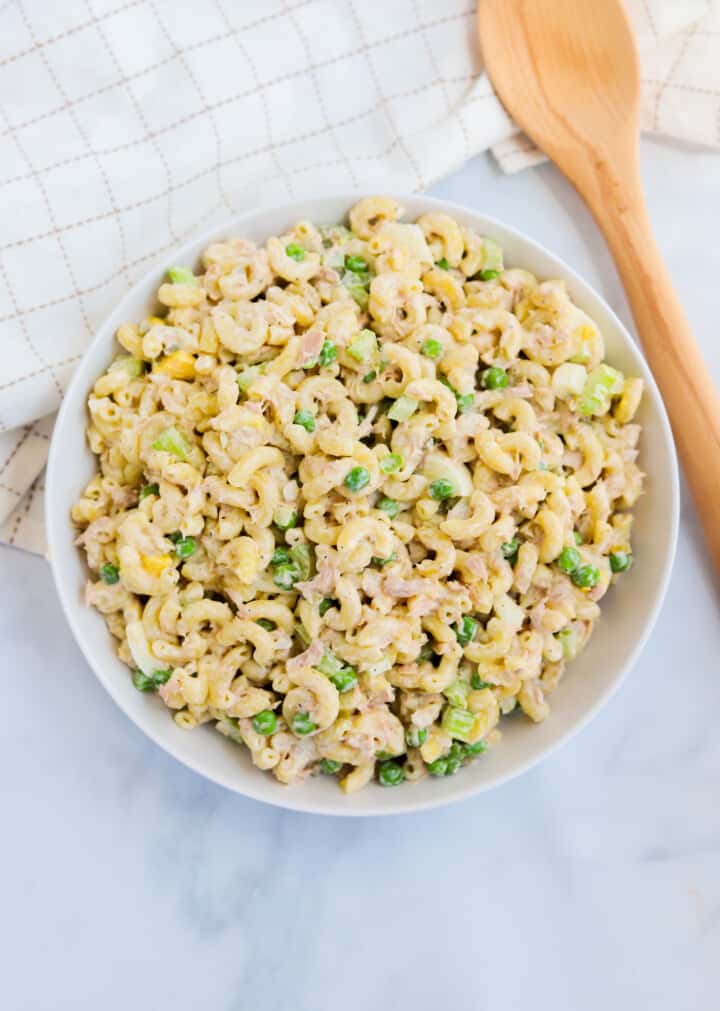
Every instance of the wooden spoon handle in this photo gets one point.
(690, 397)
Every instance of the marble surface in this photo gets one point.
(591, 883)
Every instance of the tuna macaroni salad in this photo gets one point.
(360, 491)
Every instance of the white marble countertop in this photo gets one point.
(592, 882)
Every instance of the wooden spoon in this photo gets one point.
(568, 73)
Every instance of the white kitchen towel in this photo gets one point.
(130, 125)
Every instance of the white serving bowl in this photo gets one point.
(629, 609)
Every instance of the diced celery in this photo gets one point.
(458, 723)
(134, 367)
(363, 346)
(172, 441)
(402, 409)
(567, 637)
(457, 693)
(569, 380)
(302, 635)
(302, 555)
(247, 377)
(182, 275)
(330, 663)
(357, 285)
(602, 383)
(492, 255)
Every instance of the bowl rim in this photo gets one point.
(302, 800)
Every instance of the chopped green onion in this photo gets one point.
(389, 506)
(301, 724)
(415, 736)
(149, 682)
(568, 560)
(186, 547)
(148, 489)
(182, 275)
(390, 774)
(586, 576)
(432, 348)
(380, 563)
(363, 346)
(441, 489)
(329, 767)
(325, 605)
(171, 441)
(357, 479)
(285, 518)
(295, 251)
(368, 377)
(356, 264)
(305, 419)
(465, 631)
(620, 561)
(265, 722)
(458, 722)
(402, 409)
(390, 463)
(477, 683)
(495, 378)
(442, 263)
(110, 574)
(328, 354)
(457, 693)
(265, 623)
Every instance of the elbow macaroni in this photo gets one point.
(343, 510)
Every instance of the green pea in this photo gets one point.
(175, 536)
(510, 549)
(357, 479)
(301, 724)
(389, 506)
(475, 749)
(306, 420)
(620, 561)
(325, 605)
(426, 653)
(295, 251)
(286, 575)
(443, 264)
(495, 378)
(266, 624)
(465, 631)
(416, 736)
(432, 348)
(390, 463)
(477, 683)
(265, 722)
(110, 574)
(356, 264)
(465, 402)
(441, 489)
(345, 680)
(586, 576)
(186, 547)
(439, 767)
(568, 560)
(488, 275)
(328, 354)
(280, 556)
(285, 518)
(148, 489)
(329, 768)
(390, 774)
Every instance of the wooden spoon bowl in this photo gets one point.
(568, 73)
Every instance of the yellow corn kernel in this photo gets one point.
(155, 564)
(178, 365)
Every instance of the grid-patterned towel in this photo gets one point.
(129, 126)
